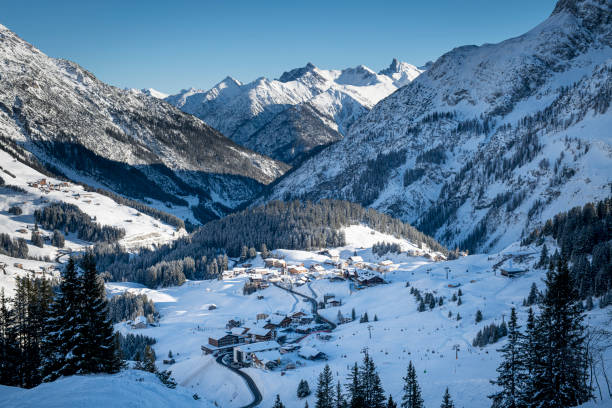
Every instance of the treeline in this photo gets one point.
(128, 306)
(302, 225)
(490, 334)
(46, 334)
(382, 248)
(168, 265)
(14, 247)
(290, 225)
(132, 346)
(70, 218)
(584, 237)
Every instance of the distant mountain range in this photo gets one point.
(125, 140)
(288, 117)
(489, 141)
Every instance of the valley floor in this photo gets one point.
(439, 346)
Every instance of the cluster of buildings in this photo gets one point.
(258, 342)
(276, 270)
(46, 187)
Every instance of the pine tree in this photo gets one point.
(543, 257)
(61, 328)
(533, 296)
(447, 401)
(325, 389)
(9, 350)
(149, 360)
(421, 307)
(95, 350)
(560, 368)
(374, 396)
(459, 301)
(353, 314)
(339, 401)
(511, 371)
(303, 389)
(355, 388)
(278, 403)
(391, 403)
(412, 391)
(478, 316)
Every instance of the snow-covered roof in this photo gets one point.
(355, 258)
(259, 346)
(308, 352)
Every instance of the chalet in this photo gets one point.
(139, 323)
(356, 261)
(266, 360)
(262, 334)
(316, 268)
(243, 353)
(512, 272)
(296, 269)
(262, 316)
(334, 303)
(310, 353)
(223, 339)
(279, 321)
(275, 263)
(367, 278)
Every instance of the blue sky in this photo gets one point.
(169, 45)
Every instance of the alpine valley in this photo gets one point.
(331, 238)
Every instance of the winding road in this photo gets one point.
(257, 398)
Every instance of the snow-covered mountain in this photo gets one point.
(489, 141)
(305, 108)
(154, 93)
(87, 129)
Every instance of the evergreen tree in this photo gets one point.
(95, 350)
(61, 338)
(354, 388)
(478, 316)
(459, 301)
(543, 257)
(374, 396)
(412, 391)
(339, 401)
(149, 360)
(533, 296)
(511, 371)
(303, 389)
(447, 401)
(421, 307)
(9, 350)
(278, 403)
(391, 403)
(560, 372)
(325, 390)
(353, 314)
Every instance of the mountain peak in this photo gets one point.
(593, 13)
(297, 73)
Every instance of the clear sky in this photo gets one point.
(174, 44)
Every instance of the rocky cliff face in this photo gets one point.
(305, 109)
(489, 141)
(87, 129)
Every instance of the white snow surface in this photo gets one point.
(129, 388)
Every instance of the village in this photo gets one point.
(272, 341)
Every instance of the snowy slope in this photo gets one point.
(302, 104)
(128, 389)
(489, 141)
(401, 333)
(70, 119)
(141, 229)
